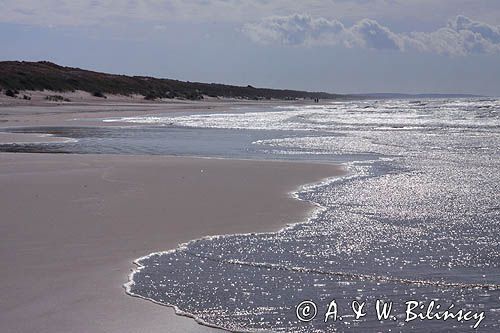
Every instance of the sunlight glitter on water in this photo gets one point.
(420, 218)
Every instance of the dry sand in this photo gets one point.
(71, 225)
(86, 111)
(79, 97)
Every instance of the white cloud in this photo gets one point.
(461, 36)
(295, 30)
(91, 12)
(371, 34)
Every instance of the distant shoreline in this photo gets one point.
(16, 76)
(80, 97)
(406, 96)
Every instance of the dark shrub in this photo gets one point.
(54, 98)
(193, 95)
(11, 93)
(152, 95)
(98, 94)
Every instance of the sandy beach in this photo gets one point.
(249, 166)
(86, 110)
(72, 225)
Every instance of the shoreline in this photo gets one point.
(23, 114)
(314, 210)
(124, 174)
(31, 138)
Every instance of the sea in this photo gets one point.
(408, 240)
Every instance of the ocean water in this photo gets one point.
(417, 219)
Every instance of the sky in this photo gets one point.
(339, 46)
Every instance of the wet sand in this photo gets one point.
(71, 225)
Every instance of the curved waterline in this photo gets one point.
(416, 218)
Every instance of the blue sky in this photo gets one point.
(345, 46)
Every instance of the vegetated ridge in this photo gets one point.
(44, 75)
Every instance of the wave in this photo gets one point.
(350, 275)
(408, 181)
